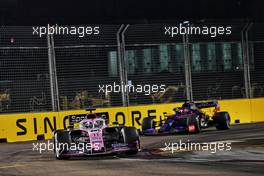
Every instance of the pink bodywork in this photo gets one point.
(95, 132)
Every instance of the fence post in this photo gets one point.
(121, 61)
(53, 74)
(123, 49)
(120, 64)
(187, 68)
(245, 57)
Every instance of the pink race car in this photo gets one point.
(93, 136)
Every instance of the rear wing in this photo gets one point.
(77, 118)
(207, 104)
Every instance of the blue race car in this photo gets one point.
(188, 118)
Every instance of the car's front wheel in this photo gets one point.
(61, 141)
(147, 123)
(131, 137)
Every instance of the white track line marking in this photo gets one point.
(16, 165)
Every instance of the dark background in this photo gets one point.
(30, 12)
(24, 72)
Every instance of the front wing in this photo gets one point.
(115, 149)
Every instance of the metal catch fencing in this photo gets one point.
(66, 72)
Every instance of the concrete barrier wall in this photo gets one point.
(32, 126)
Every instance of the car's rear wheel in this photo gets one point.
(222, 120)
(193, 124)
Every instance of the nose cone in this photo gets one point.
(164, 127)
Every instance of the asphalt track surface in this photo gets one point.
(245, 158)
